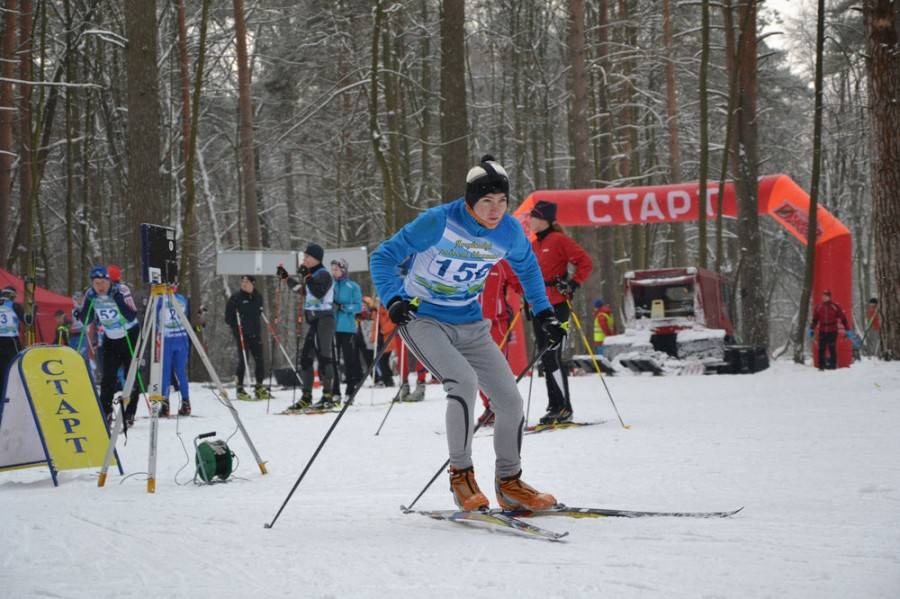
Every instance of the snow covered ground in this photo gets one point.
(812, 456)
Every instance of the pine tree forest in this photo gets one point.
(273, 123)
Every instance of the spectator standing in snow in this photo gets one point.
(317, 288)
(347, 304)
(435, 307)
(826, 318)
(555, 251)
(604, 325)
(246, 303)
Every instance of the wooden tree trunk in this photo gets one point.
(190, 128)
(800, 333)
(425, 129)
(7, 121)
(754, 313)
(679, 253)
(704, 135)
(245, 108)
(729, 151)
(71, 147)
(606, 265)
(454, 116)
(378, 143)
(144, 182)
(26, 140)
(882, 20)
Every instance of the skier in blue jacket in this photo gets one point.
(176, 351)
(347, 304)
(452, 249)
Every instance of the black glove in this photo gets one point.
(401, 311)
(303, 271)
(551, 326)
(566, 287)
(281, 272)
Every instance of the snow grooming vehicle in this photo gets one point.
(676, 322)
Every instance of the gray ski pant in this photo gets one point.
(465, 358)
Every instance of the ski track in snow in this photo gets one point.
(812, 456)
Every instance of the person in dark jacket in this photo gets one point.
(826, 318)
(317, 288)
(555, 251)
(242, 314)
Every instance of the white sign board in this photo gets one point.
(249, 262)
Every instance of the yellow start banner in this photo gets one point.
(65, 404)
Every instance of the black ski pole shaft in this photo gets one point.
(322, 442)
(475, 430)
(396, 398)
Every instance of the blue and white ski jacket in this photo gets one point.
(450, 255)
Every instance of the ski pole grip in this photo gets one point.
(205, 435)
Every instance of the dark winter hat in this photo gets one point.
(544, 210)
(8, 292)
(487, 177)
(99, 272)
(599, 303)
(315, 250)
(250, 278)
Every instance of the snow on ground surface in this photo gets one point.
(812, 456)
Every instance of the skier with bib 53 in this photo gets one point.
(453, 247)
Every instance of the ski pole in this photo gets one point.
(594, 360)
(396, 398)
(240, 329)
(281, 347)
(528, 405)
(375, 340)
(512, 325)
(531, 364)
(324, 439)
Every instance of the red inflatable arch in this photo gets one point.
(779, 197)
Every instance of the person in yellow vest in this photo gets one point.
(603, 325)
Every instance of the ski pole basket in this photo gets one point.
(214, 459)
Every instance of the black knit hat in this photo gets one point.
(487, 177)
(315, 250)
(544, 210)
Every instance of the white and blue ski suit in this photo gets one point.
(451, 255)
(176, 348)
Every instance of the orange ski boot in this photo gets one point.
(465, 490)
(513, 494)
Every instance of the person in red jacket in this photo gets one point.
(555, 251)
(826, 317)
(495, 307)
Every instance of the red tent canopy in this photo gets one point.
(47, 304)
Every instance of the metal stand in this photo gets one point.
(161, 298)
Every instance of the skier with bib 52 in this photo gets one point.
(453, 247)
